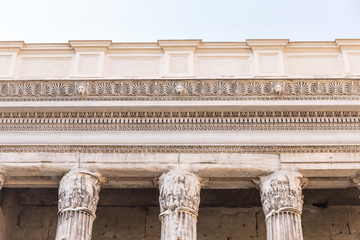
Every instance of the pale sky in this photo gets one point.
(149, 20)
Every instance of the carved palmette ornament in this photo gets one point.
(282, 191)
(79, 190)
(179, 190)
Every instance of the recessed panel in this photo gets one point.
(314, 65)
(34, 67)
(223, 67)
(133, 67)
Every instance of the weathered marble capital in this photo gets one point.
(179, 204)
(282, 201)
(2, 179)
(282, 191)
(78, 198)
(356, 181)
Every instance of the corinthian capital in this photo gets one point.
(2, 179)
(356, 180)
(179, 190)
(79, 190)
(282, 191)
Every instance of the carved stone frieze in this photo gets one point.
(282, 191)
(183, 148)
(191, 89)
(179, 121)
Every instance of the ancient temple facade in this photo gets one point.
(180, 140)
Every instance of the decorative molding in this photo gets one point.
(179, 121)
(274, 149)
(157, 90)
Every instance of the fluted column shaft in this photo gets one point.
(179, 204)
(282, 201)
(78, 199)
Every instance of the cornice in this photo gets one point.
(267, 43)
(90, 43)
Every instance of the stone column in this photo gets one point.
(282, 200)
(179, 204)
(78, 198)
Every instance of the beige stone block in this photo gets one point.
(223, 66)
(355, 236)
(129, 158)
(37, 223)
(325, 222)
(44, 67)
(354, 62)
(89, 64)
(119, 223)
(133, 67)
(178, 64)
(354, 219)
(314, 65)
(153, 224)
(227, 223)
(269, 63)
(5, 63)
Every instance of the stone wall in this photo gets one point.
(8, 213)
(224, 214)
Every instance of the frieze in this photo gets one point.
(179, 121)
(271, 149)
(190, 89)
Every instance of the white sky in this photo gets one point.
(150, 20)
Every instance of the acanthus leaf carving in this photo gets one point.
(79, 190)
(282, 191)
(179, 190)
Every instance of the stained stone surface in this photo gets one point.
(224, 215)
